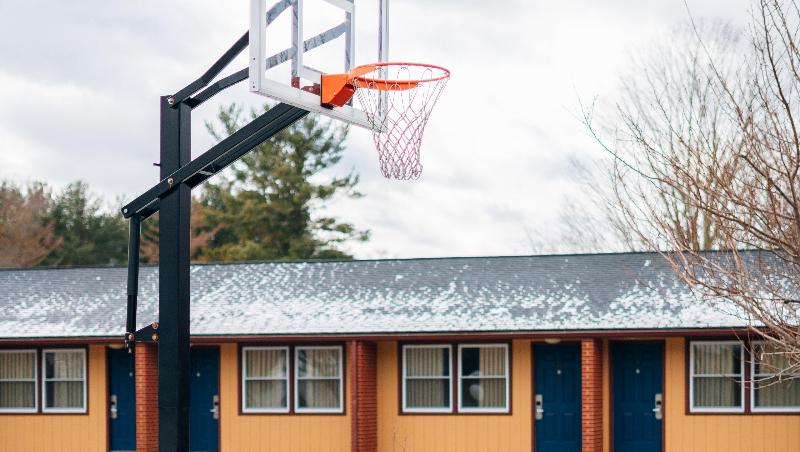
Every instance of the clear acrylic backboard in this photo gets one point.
(294, 42)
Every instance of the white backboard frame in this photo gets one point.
(261, 16)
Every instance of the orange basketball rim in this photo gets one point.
(337, 89)
(397, 100)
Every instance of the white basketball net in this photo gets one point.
(398, 116)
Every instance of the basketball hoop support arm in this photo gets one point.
(215, 159)
(172, 198)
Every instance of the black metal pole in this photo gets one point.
(173, 267)
(134, 234)
(172, 198)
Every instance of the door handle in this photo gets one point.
(539, 404)
(215, 404)
(112, 406)
(658, 411)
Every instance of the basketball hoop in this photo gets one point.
(397, 99)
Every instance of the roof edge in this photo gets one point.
(508, 334)
(398, 259)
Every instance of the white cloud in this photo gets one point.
(80, 83)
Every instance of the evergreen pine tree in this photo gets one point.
(265, 207)
(88, 235)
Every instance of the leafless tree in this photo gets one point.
(669, 112)
(584, 222)
(26, 236)
(705, 155)
(666, 102)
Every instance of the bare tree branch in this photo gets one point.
(704, 157)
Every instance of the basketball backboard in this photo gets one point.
(294, 42)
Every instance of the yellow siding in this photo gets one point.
(63, 432)
(462, 433)
(710, 433)
(275, 433)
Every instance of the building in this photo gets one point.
(547, 353)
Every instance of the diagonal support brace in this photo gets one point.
(218, 157)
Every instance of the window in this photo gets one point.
(773, 389)
(483, 378)
(18, 381)
(318, 379)
(427, 380)
(716, 374)
(265, 379)
(64, 388)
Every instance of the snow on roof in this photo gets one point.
(470, 294)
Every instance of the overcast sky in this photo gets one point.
(80, 82)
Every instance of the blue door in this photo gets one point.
(204, 399)
(121, 401)
(557, 399)
(637, 396)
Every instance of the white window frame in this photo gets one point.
(461, 377)
(694, 409)
(45, 380)
(449, 408)
(245, 379)
(340, 377)
(753, 378)
(35, 381)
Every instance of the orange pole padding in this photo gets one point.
(335, 90)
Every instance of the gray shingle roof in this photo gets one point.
(471, 294)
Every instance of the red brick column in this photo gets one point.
(364, 396)
(146, 397)
(592, 395)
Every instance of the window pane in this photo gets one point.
(717, 392)
(64, 394)
(14, 365)
(266, 363)
(318, 363)
(432, 393)
(483, 393)
(265, 394)
(717, 359)
(769, 360)
(477, 362)
(18, 394)
(318, 394)
(774, 393)
(67, 364)
(427, 362)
